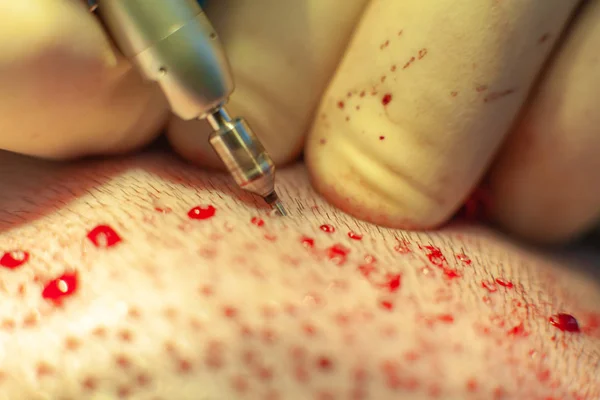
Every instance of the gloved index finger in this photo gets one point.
(421, 102)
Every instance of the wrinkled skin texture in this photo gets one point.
(401, 106)
(231, 308)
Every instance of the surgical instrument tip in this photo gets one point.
(273, 200)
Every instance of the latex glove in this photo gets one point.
(413, 107)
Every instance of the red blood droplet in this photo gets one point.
(408, 63)
(14, 259)
(104, 236)
(257, 221)
(564, 322)
(230, 312)
(403, 246)
(354, 235)
(307, 242)
(446, 318)
(489, 286)
(324, 363)
(381, 137)
(338, 254)
(435, 256)
(202, 212)
(340, 104)
(386, 99)
(64, 285)
(472, 385)
(464, 259)
(388, 305)
(393, 282)
(518, 330)
(366, 269)
(450, 273)
(504, 282)
(327, 228)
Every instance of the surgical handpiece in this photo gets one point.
(173, 43)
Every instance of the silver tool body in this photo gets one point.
(173, 43)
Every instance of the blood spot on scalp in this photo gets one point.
(125, 335)
(564, 322)
(14, 259)
(454, 94)
(445, 318)
(386, 305)
(402, 246)
(307, 242)
(72, 343)
(325, 363)
(143, 380)
(481, 88)
(385, 100)
(435, 256)
(202, 212)
(393, 282)
(104, 236)
(472, 385)
(230, 312)
(214, 354)
(381, 137)
(99, 332)
(464, 259)
(184, 366)
(355, 236)
(61, 287)
(338, 254)
(422, 53)
(505, 283)
(44, 369)
(124, 391)
(89, 383)
(257, 221)
(367, 269)
(327, 228)
(122, 361)
(408, 63)
(490, 286)
(341, 105)
(518, 330)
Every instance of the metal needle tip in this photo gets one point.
(278, 205)
(273, 200)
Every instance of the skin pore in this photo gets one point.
(162, 298)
